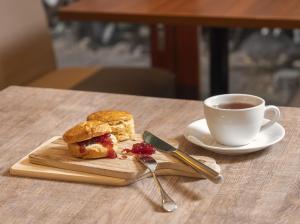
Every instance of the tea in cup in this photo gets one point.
(236, 119)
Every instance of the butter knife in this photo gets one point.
(198, 166)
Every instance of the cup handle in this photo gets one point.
(275, 118)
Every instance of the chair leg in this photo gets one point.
(218, 61)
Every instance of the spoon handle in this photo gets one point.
(168, 203)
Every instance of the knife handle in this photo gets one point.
(198, 166)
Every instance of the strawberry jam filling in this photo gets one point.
(140, 149)
(104, 140)
(82, 149)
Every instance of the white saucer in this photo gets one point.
(198, 133)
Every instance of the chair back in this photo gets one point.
(25, 42)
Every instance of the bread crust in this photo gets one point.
(86, 130)
(121, 122)
(110, 116)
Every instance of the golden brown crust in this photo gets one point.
(110, 116)
(86, 130)
(121, 122)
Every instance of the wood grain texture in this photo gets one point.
(55, 153)
(261, 187)
(226, 13)
(24, 168)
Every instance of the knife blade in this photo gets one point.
(198, 166)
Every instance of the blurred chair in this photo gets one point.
(27, 58)
(25, 44)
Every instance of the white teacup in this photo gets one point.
(235, 119)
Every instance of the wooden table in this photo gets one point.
(179, 52)
(261, 187)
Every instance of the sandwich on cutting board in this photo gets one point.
(97, 137)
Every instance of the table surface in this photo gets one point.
(225, 13)
(261, 187)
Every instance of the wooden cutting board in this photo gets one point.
(55, 154)
(25, 168)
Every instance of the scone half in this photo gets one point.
(121, 122)
(91, 140)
